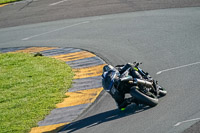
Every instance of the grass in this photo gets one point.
(7, 1)
(29, 89)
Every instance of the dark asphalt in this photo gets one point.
(161, 39)
(36, 11)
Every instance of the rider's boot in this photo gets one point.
(126, 102)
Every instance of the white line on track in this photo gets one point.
(53, 4)
(69, 26)
(177, 67)
(179, 123)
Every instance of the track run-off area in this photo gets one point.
(167, 41)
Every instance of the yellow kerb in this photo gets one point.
(50, 128)
(88, 72)
(34, 49)
(74, 56)
(3, 5)
(80, 97)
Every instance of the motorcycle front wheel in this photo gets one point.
(162, 91)
(144, 98)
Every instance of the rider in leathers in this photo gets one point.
(122, 87)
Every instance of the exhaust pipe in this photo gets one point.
(143, 82)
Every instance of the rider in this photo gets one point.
(117, 86)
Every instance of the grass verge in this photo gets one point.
(29, 89)
(7, 1)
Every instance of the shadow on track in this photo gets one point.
(103, 117)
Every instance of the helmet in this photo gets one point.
(107, 68)
(108, 77)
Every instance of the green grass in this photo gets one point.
(7, 1)
(29, 89)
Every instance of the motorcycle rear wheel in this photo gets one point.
(148, 99)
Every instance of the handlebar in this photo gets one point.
(137, 63)
(134, 63)
(119, 65)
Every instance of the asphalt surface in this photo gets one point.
(36, 11)
(161, 39)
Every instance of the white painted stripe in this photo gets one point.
(69, 26)
(53, 4)
(177, 67)
(179, 123)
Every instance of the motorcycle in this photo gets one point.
(138, 83)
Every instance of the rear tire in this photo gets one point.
(149, 99)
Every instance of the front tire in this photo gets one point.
(162, 91)
(148, 99)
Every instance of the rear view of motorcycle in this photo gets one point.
(130, 78)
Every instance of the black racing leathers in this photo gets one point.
(122, 87)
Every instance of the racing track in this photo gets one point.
(161, 39)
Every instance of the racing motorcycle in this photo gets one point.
(138, 83)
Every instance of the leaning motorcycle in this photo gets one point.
(139, 84)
